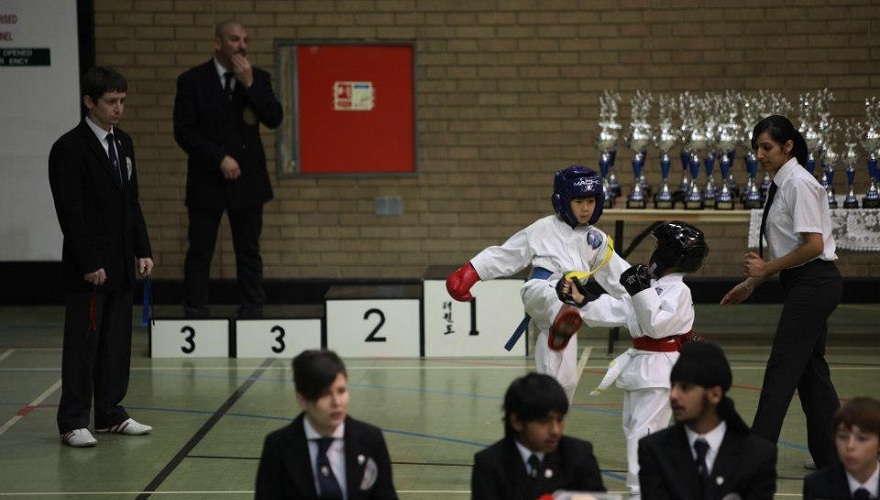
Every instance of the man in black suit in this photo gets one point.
(857, 439)
(324, 453)
(218, 110)
(534, 457)
(93, 179)
(709, 453)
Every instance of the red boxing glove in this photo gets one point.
(459, 283)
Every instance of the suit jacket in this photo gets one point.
(745, 465)
(499, 471)
(101, 219)
(829, 483)
(207, 126)
(285, 469)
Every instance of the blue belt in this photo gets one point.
(538, 273)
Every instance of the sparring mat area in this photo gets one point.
(210, 415)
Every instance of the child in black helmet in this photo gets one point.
(659, 313)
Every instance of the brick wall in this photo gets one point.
(507, 95)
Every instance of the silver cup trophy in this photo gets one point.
(871, 144)
(850, 157)
(606, 142)
(637, 140)
(666, 138)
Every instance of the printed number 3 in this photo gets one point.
(189, 339)
(277, 349)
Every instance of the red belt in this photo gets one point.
(666, 344)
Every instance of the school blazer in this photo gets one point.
(745, 466)
(499, 472)
(285, 470)
(207, 126)
(829, 483)
(100, 218)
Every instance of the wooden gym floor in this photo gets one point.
(210, 415)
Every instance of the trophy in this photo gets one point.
(637, 140)
(871, 144)
(664, 141)
(850, 158)
(725, 151)
(811, 107)
(698, 140)
(685, 107)
(609, 130)
(751, 194)
(710, 105)
(829, 158)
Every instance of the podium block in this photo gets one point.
(374, 321)
(276, 338)
(477, 328)
(189, 338)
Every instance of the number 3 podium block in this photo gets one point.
(300, 329)
(189, 338)
(374, 321)
(480, 327)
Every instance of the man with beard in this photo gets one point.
(218, 109)
(709, 453)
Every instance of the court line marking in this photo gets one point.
(27, 409)
(6, 354)
(202, 432)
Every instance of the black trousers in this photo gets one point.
(95, 363)
(797, 359)
(246, 225)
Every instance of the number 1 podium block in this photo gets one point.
(189, 338)
(374, 321)
(480, 327)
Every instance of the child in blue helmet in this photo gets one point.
(658, 311)
(552, 246)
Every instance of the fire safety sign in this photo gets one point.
(353, 96)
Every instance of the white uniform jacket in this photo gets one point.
(664, 310)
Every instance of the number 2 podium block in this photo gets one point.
(374, 321)
(480, 327)
(189, 338)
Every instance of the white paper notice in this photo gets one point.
(353, 96)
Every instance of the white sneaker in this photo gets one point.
(130, 427)
(809, 464)
(79, 438)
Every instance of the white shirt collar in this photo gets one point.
(785, 171)
(100, 133)
(713, 437)
(312, 434)
(870, 484)
(526, 453)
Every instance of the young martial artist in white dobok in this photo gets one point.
(553, 245)
(659, 313)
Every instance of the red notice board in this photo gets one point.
(355, 109)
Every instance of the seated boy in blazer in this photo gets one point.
(324, 453)
(534, 457)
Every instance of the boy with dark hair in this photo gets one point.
(709, 453)
(324, 453)
(857, 439)
(534, 457)
(94, 182)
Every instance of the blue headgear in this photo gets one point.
(573, 182)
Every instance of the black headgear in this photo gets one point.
(702, 363)
(679, 246)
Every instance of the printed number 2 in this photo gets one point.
(373, 337)
(277, 349)
(189, 339)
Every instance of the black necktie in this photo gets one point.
(702, 447)
(227, 84)
(114, 159)
(327, 482)
(770, 194)
(861, 494)
(534, 465)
